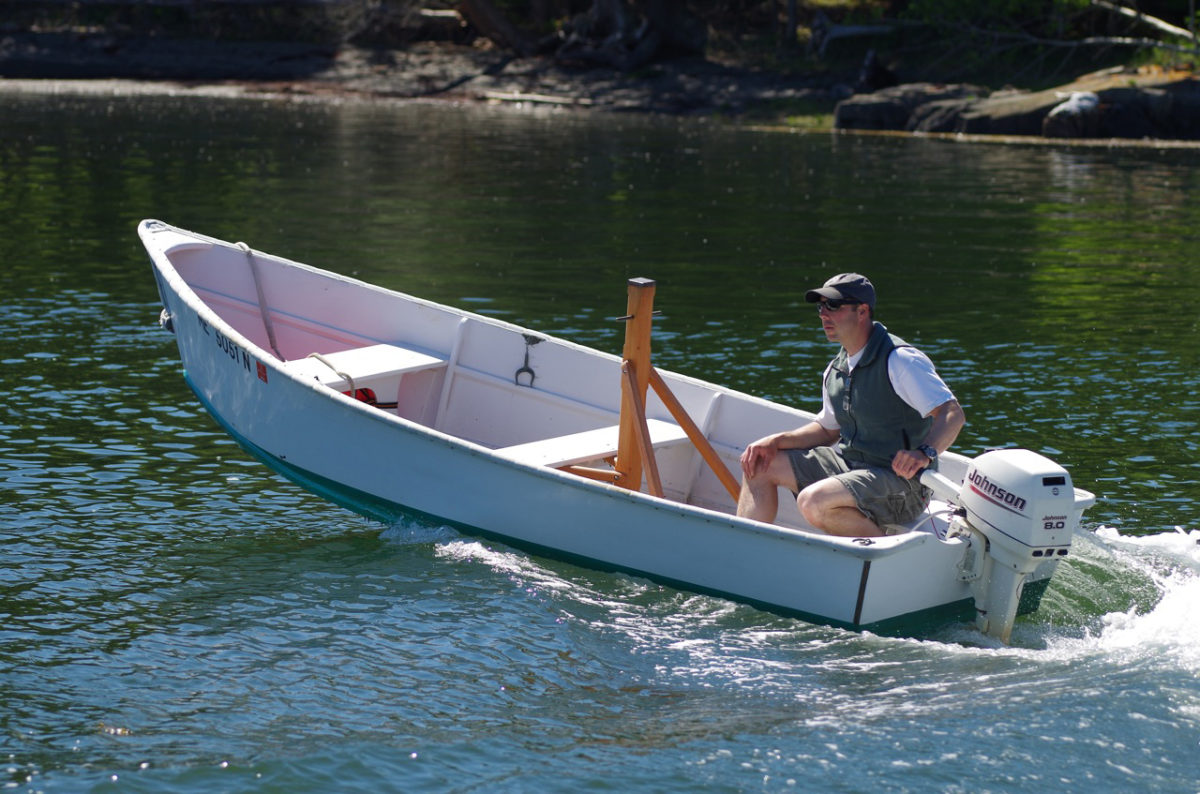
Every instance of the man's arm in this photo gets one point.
(759, 455)
(948, 420)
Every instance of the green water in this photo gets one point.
(173, 617)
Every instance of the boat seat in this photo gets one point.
(588, 445)
(367, 366)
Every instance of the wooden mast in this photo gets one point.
(633, 436)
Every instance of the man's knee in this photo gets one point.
(809, 502)
(816, 500)
(778, 473)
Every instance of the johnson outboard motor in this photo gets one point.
(1020, 509)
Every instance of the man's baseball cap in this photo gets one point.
(845, 286)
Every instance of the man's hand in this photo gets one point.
(948, 419)
(758, 456)
(908, 463)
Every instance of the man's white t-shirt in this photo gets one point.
(912, 376)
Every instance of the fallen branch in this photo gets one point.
(1128, 41)
(824, 31)
(1090, 41)
(1154, 22)
(542, 99)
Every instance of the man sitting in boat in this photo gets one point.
(885, 416)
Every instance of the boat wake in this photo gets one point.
(1129, 599)
(1159, 626)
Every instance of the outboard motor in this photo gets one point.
(1021, 509)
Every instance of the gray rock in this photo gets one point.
(1077, 117)
(1113, 104)
(891, 108)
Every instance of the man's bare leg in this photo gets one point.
(759, 498)
(831, 508)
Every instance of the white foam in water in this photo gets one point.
(408, 531)
(1166, 633)
(1169, 630)
(512, 563)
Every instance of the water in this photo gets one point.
(177, 619)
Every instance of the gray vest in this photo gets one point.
(875, 422)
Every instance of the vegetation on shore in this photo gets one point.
(859, 44)
(970, 37)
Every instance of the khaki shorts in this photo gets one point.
(882, 495)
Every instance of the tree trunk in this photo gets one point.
(492, 23)
(620, 33)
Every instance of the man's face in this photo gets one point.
(839, 318)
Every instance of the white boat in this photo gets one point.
(391, 405)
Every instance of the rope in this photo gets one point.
(343, 375)
(353, 388)
(262, 301)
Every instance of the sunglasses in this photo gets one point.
(834, 304)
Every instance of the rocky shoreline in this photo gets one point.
(421, 71)
(1113, 104)
(1116, 104)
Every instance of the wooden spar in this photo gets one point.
(694, 434)
(635, 453)
(629, 386)
(603, 475)
(635, 357)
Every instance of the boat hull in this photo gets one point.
(384, 465)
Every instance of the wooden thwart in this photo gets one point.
(363, 365)
(599, 444)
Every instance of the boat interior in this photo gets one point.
(529, 397)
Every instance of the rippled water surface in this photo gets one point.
(175, 618)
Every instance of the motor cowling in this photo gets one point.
(1024, 503)
(1026, 508)
(1017, 511)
